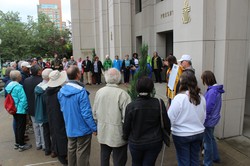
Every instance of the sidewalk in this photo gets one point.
(233, 151)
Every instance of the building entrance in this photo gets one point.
(164, 47)
(164, 43)
(138, 45)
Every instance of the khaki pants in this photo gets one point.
(87, 77)
(79, 150)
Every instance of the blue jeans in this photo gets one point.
(211, 152)
(145, 155)
(188, 149)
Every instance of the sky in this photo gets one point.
(29, 7)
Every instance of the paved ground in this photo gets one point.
(233, 151)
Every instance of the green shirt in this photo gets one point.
(107, 64)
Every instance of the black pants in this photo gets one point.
(126, 73)
(97, 77)
(145, 154)
(46, 134)
(51, 131)
(119, 155)
(63, 159)
(157, 73)
(20, 128)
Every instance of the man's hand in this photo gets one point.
(94, 133)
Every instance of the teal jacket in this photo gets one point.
(41, 115)
(19, 96)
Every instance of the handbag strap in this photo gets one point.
(12, 89)
(161, 114)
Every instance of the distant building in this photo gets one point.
(53, 9)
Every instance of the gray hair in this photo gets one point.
(12, 64)
(15, 75)
(19, 64)
(8, 70)
(45, 73)
(35, 69)
(112, 76)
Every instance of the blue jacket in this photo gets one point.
(76, 108)
(6, 81)
(41, 115)
(213, 105)
(19, 96)
(117, 64)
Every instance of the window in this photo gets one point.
(57, 16)
(48, 6)
(138, 6)
(157, 1)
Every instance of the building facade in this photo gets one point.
(215, 33)
(52, 8)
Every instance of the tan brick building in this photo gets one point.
(52, 8)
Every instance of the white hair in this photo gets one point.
(13, 64)
(15, 75)
(45, 73)
(112, 76)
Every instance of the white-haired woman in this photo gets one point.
(110, 121)
(18, 94)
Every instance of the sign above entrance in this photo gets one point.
(185, 14)
(167, 14)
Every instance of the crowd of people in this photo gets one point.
(52, 98)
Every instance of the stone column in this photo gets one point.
(83, 36)
(101, 23)
(75, 19)
(119, 27)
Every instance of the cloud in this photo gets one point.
(66, 14)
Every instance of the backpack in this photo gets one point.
(9, 104)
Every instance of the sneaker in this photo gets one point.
(16, 146)
(24, 147)
(39, 148)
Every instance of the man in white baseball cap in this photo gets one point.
(25, 71)
(26, 64)
(186, 62)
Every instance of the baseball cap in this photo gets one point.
(25, 64)
(185, 57)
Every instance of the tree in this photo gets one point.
(49, 39)
(13, 35)
(142, 71)
(34, 38)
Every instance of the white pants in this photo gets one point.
(87, 77)
(38, 131)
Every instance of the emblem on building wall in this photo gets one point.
(185, 14)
